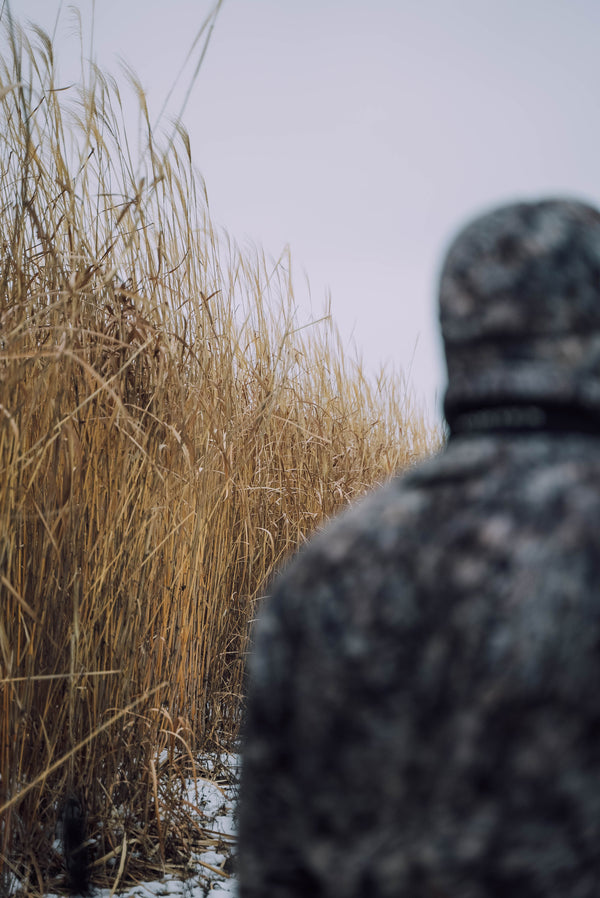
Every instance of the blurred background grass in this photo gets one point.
(168, 435)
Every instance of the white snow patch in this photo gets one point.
(215, 806)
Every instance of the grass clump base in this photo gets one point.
(168, 434)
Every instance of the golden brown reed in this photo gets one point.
(168, 435)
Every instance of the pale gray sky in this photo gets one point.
(364, 133)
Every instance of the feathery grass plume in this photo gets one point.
(168, 434)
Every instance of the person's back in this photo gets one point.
(425, 682)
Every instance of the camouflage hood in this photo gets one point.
(520, 318)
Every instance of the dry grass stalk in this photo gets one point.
(167, 437)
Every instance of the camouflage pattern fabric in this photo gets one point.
(423, 714)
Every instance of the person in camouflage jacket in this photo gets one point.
(423, 711)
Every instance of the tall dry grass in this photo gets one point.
(168, 435)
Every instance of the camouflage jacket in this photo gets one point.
(423, 715)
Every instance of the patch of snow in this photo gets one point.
(215, 806)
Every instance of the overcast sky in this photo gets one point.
(364, 133)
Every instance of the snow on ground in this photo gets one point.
(213, 874)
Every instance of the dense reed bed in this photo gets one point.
(168, 434)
